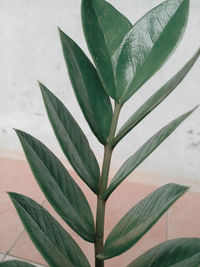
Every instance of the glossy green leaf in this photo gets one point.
(155, 99)
(148, 45)
(54, 243)
(140, 219)
(173, 253)
(15, 263)
(143, 152)
(58, 186)
(104, 28)
(72, 140)
(91, 96)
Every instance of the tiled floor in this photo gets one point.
(182, 220)
(9, 258)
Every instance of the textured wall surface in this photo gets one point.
(31, 50)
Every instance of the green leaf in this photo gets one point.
(15, 263)
(155, 99)
(54, 243)
(91, 96)
(140, 219)
(143, 152)
(148, 45)
(177, 252)
(58, 186)
(104, 28)
(72, 140)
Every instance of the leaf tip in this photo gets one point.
(12, 195)
(21, 135)
(39, 82)
(18, 132)
(40, 85)
(61, 33)
(185, 188)
(196, 107)
(192, 110)
(42, 88)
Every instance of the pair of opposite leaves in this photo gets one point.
(125, 56)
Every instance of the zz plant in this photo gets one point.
(125, 57)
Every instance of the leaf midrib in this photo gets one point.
(80, 73)
(179, 261)
(56, 247)
(159, 135)
(104, 38)
(97, 128)
(144, 220)
(83, 162)
(80, 221)
(149, 53)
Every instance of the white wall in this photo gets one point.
(31, 50)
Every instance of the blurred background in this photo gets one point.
(31, 51)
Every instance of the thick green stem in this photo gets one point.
(101, 204)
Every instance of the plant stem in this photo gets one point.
(101, 204)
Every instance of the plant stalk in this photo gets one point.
(101, 204)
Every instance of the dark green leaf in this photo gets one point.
(173, 253)
(15, 263)
(104, 28)
(140, 219)
(54, 243)
(72, 140)
(58, 186)
(91, 96)
(143, 152)
(155, 99)
(148, 45)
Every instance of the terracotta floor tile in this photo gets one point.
(9, 258)
(25, 249)
(10, 226)
(15, 176)
(184, 217)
